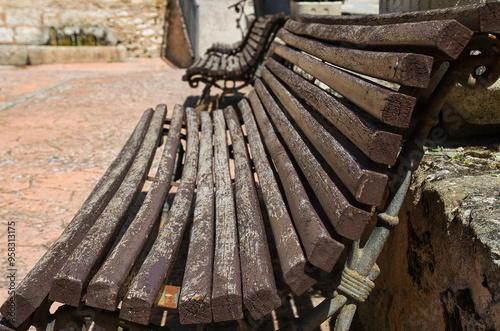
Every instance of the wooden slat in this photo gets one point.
(375, 141)
(255, 37)
(253, 44)
(261, 23)
(196, 292)
(402, 68)
(447, 37)
(348, 220)
(74, 275)
(321, 249)
(259, 287)
(233, 66)
(138, 302)
(292, 260)
(212, 58)
(223, 65)
(35, 287)
(227, 302)
(243, 63)
(104, 288)
(257, 30)
(390, 107)
(216, 64)
(196, 65)
(248, 57)
(365, 184)
(483, 17)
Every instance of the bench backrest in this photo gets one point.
(339, 106)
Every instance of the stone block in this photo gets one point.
(469, 112)
(83, 17)
(51, 18)
(6, 35)
(81, 54)
(24, 17)
(30, 35)
(13, 55)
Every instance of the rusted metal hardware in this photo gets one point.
(480, 63)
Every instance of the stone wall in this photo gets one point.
(137, 24)
(440, 269)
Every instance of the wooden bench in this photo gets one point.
(236, 63)
(324, 126)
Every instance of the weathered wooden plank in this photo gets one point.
(359, 177)
(212, 58)
(390, 107)
(75, 273)
(483, 17)
(261, 23)
(243, 63)
(227, 302)
(257, 30)
(447, 37)
(143, 291)
(259, 287)
(35, 287)
(105, 287)
(233, 66)
(199, 63)
(292, 259)
(348, 220)
(248, 56)
(403, 68)
(223, 66)
(255, 37)
(216, 64)
(253, 44)
(196, 292)
(375, 141)
(321, 249)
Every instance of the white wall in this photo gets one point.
(217, 23)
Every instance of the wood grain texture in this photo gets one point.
(359, 177)
(321, 249)
(227, 301)
(388, 106)
(259, 287)
(348, 220)
(35, 287)
(403, 68)
(73, 277)
(483, 17)
(375, 140)
(445, 38)
(138, 302)
(106, 286)
(196, 291)
(293, 262)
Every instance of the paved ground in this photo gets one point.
(60, 128)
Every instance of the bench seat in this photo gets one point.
(236, 63)
(269, 193)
